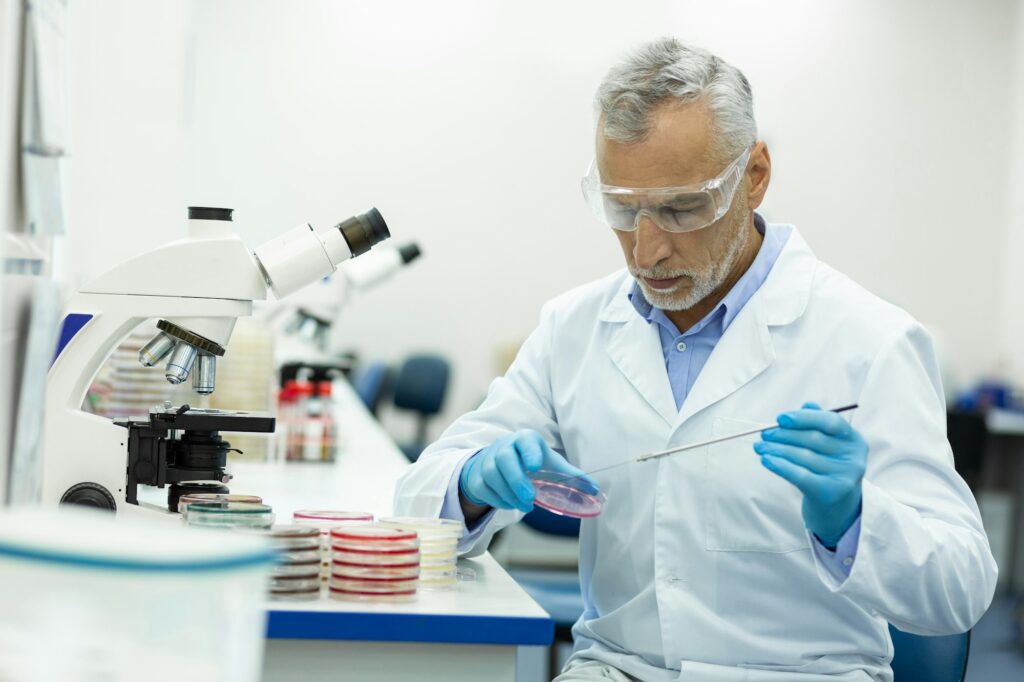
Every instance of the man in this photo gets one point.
(770, 558)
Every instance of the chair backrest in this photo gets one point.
(369, 381)
(917, 658)
(422, 383)
(543, 521)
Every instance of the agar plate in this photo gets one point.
(566, 495)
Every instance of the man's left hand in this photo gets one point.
(824, 457)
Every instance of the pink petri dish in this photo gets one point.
(566, 495)
(374, 539)
(376, 557)
(350, 571)
(330, 519)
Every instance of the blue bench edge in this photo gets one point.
(409, 627)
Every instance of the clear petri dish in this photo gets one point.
(289, 538)
(295, 583)
(229, 515)
(437, 575)
(326, 519)
(432, 551)
(429, 529)
(296, 595)
(377, 558)
(185, 500)
(566, 495)
(303, 568)
(346, 570)
(355, 595)
(305, 556)
(374, 585)
(438, 565)
(372, 538)
(439, 547)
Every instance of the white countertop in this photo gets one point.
(489, 608)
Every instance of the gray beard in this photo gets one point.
(703, 284)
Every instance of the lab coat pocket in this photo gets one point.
(750, 509)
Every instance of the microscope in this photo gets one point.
(312, 318)
(303, 324)
(196, 287)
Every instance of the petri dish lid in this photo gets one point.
(333, 516)
(88, 539)
(373, 584)
(434, 527)
(193, 498)
(228, 508)
(292, 531)
(566, 495)
(373, 534)
(363, 564)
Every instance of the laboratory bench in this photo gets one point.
(469, 631)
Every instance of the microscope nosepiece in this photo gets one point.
(180, 364)
(156, 350)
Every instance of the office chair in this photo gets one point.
(420, 386)
(370, 382)
(918, 658)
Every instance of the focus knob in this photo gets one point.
(89, 495)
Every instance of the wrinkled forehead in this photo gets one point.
(677, 151)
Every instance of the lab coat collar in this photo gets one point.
(743, 352)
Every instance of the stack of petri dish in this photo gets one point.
(185, 500)
(229, 515)
(374, 563)
(325, 521)
(439, 540)
(296, 577)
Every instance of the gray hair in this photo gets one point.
(665, 71)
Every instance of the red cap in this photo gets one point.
(324, 388)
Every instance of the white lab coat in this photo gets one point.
(700, 567)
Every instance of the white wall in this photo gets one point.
(126, 172)
(1012, 312)
(468, 124)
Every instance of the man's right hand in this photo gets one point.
(498, 475)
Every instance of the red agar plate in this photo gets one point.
(567, 495)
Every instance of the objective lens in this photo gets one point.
(156, 350)
(205, 374)
(180, 363)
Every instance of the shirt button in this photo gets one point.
(680, 346)
(847, 561)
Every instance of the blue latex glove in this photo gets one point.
(497, 476)
(824, 457)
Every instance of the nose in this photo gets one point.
(652, 244)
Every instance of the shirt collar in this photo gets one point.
(731, 304)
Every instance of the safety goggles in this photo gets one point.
(675, 209)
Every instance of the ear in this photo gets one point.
(759, 171)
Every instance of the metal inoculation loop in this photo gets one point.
(204, 374)
(180, 363)
(156, 350)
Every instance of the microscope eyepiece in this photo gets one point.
(409, 252)
(361, 232)
(207, 213)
